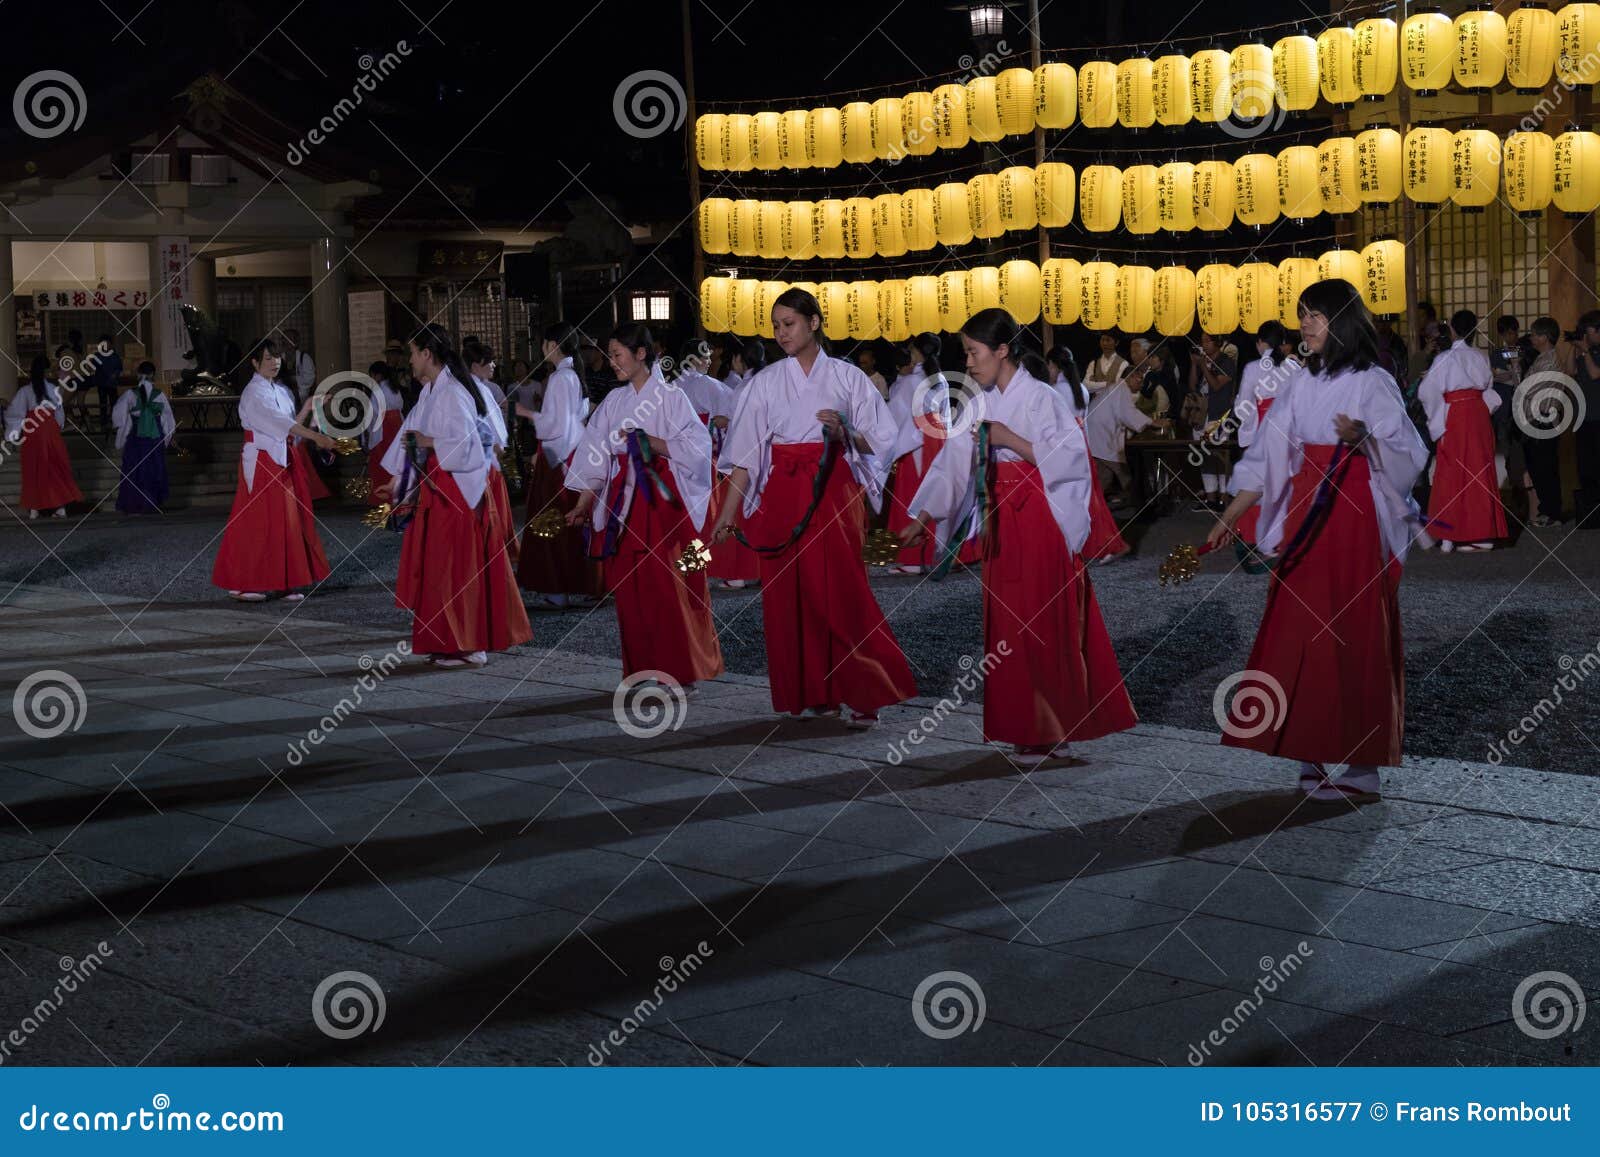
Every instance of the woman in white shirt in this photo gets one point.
(919, 402)
(1105, 543)
(1458, 395)
(1261, 385)
(270, 543)
(380, 439)
(1333, 471)
(1021, 481)
(480, 362)
(145, 426)
(810, 438)
(35, 418)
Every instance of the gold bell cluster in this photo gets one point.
(695, 557)
(881, 548)
(1180, 566)
(547, 524)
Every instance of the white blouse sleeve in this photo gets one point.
(1397, 456)
(590, 467)
(258, 413)
(17, 411)
(748, 443)
(868, 415)
(947, 493)
(1430, 393)
(169, 420)
(1061, 454)
(122, 416)
(556, 411)
(1269, 467)
(689, 451)
(455, 433)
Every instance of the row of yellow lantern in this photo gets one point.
(1429, 165)
(1219, 298)
(1479, 50)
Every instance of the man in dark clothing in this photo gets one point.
(107, 373)
(1211, 376)
(1587, 371)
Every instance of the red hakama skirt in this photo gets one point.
(664, 615)
(500, 498)
(1466, 494)
(908, 477)
(270, 542)
(1326, 678)
(376, 474)
(47, 482)
(1052, 675)
(457, 574)
(731, 560)
(1105, 539)
(306, 478)
(827, 641)
(1248, 525)
(553, 566)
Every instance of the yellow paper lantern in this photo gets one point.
(1250, 75)
(983, 204)
(855, 138)
(1174, 103)
(952, 216)
(917, 123)
(922, 303)
(1061, 292)
(1017, 207)
(792, 139)
(953, 310)
(1097, 295)
(1475, 168)
(1529, 166)
(1531, 45)
(1255, 189)
(863, 300)
(1336, 65)
(1097, 94)
(1136, 108)
(950, 117)
(983, 289)
(1338, 178)
(888, 236)
(983, 109)
(1213, 196)
(1574, 171)
(765, 128)
(916, 219)
(1429, 152)
(894, 318)
(1480, 58)
(827, 229)
(1377, 58)
(1378, 152)
(1256, 289)
(888, 128)
(716, 308)
(1136, 298)
(1210, 89)
(1021, 288)
(1427, 50)
(1577, 38)
(1384, 285)
(1055, 191)
(1342, 265)
(1140, 212)
(1055, 96)
(799, 241)
(708, 140)
(1294, 274)
(810, 287)
(1217, 298)
(738, 143)
(834, 298)
(1175, 196)
(825, 138)
(1296, 73)
(1014, 90)
(858, 239)
(716, 214)
(767, 293)
(769, 230)
(743, 222)
(1174, 301)
(743, 300)
(1299, 196)
(1100, 198)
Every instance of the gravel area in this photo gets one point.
(1486, 635)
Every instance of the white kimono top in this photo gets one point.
(559, 422)
(122, 412)
(1261, 380)
(780, 404)
(23, 403)
(446, 413)
(1305, 414)
(1034, 411)
(268, 412)
(1461, 367)
(910, 399)
(393, 403)
(1109, 419)
(710, 398)
(657, 408)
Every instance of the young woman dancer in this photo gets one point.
(921, 415)
(481, 365)
(1458, 395)
(455, 573)
(647, 457)
(383, 437)
(1021, 481)
(143, 420)
(1262, 384)
(1105, 543)
(733, 564)
(810, 437)
(36, 417)
(270, 543)
(1333, 471)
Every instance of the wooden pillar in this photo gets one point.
(690, 115)
(1046, 330)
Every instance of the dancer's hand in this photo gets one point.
(1221, 533)
(323, 441)
(1349, 431)
(579, 514)
(384, 493)
(834, 421)
(913, 533)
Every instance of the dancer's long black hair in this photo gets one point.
(926, 347)
(997, 329)
(1352, 338)
(570, 340)
(1272, 332)
(433, 338)
(266, 347)
(1061, 357)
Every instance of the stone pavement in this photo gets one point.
(235, 820)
